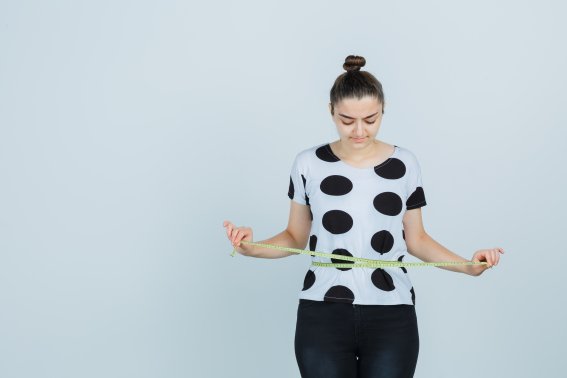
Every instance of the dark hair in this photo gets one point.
(355, 83)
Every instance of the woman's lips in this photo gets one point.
(359, 139)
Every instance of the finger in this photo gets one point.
(239, 238)
(245, 232)
(495, 252)
(492, 257)
(235, 236)
(497, 258)
(488, 259)
(476, 257)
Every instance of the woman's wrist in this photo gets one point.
(474, 270)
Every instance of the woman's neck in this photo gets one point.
(346, 152)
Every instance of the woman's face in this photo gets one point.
(358, 121)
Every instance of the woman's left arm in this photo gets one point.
(425, 248)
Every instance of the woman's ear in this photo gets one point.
(331, 108)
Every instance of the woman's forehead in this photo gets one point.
(359, 108)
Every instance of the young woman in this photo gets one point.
(357, 196)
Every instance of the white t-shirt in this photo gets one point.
(357, 212)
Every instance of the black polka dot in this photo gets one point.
(388, 203)
(339, 293)
(305, 188)
(382, 280)
(382, 241)
(309, 280)
(342, 252)
(412, 295)
(416, 199)
(312, 242)
(401, 258)
(326, 154)
(291, 189)
(337, 221)
(403, 234)
(391, 169)
(336, 185)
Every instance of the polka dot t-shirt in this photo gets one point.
(357, 212)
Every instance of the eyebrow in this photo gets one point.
(363, 118)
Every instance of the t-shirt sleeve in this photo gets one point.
(297, 182)
(416, 195)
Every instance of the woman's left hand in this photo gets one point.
(491, 256)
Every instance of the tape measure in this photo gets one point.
(359, 261)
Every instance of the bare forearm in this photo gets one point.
(283, 239)
(428, 250)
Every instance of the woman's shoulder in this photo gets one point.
(312, 151)
(409, 158)
(406, 153)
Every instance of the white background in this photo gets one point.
(129, 130)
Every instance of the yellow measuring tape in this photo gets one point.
(359, 261)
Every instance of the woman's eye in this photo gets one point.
(368, 122)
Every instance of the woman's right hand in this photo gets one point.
(236, 234)
(491, 256)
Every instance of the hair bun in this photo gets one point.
(354, 63)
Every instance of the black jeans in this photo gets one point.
(341, 340)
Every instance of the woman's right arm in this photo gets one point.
(294, 236)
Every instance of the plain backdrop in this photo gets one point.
(130, 130)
